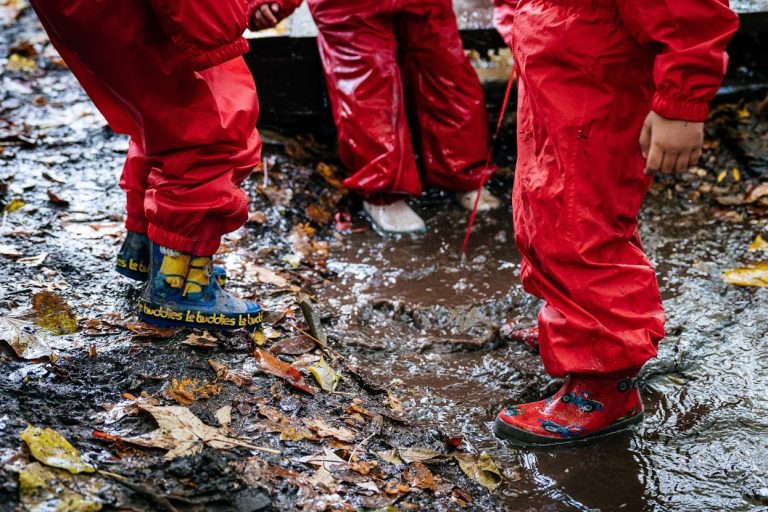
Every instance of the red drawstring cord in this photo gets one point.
(507, 94)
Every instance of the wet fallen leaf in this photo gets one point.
(390, 456)
(259, 337)
(128, 407)
(327, 459)
(752, 275)
(759, 244)
(319, 215)
(267, 276)
(270, 364)
(18, 63)
(224, 415)
(13, 206)
(757, 193)
(55, 199)
(328, 172)
(326, 376)
(24, 339)
(150, 331)
(323, 429)
(418, 454)
(461, 497)
(394, 403)
(182, 433)
(479, 468)
(9, 251)
(421, 477)
(204, 340)
(236, 377)
(33, 261)
(53, 314)
(52, 449)
(186, 390)
(43, 489)
(288, 428)
(293, 346)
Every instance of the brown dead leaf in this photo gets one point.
(319, 215)
(328, 172)
(53, 314)
(182, 433)
(418, 475)
(757, 193)
(419, 454)
(289, 428)
(323, 429)
(150, 331)
(270, 364)
(267, 276)
(186, 390)
(26, 341)
(479, 468)
(237, 377)
(203, 339)
(294, 346)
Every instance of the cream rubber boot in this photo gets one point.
(487, 200)
(396, 217)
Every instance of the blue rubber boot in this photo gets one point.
(182, 293)
(133, 260)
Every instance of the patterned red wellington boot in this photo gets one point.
(528, 336)
(586, 406)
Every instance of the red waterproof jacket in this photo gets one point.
(210, 32)
(689, 36)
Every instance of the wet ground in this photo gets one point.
(408, 320)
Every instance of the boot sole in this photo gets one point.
(414, 235)
(196, 319)
(524, 438)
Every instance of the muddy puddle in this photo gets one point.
(405, 308)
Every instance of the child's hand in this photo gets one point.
(266, 16)
(670, 145)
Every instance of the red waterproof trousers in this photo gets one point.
(192, 127)
(589, 73)
(377, 57)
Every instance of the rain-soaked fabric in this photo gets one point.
(589, 73)
(193, 135)
(377, 57)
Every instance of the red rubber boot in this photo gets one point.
(586, 406)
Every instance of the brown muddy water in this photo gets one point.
(405, 305)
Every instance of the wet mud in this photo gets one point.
(406, 318)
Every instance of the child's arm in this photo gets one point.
(691, 37)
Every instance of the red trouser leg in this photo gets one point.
(195, 129)
(359, 53)
(452, 119)
(579, 184)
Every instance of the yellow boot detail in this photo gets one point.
(199, 275)
(174, 269)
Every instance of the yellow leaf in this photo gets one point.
(53, 314)
(42, 488)
(736, 174)
(753, 275)
(721, 177)
(50, 448)
(481, 469)
(759, 244)
(744, 113)
(13, 206)
(18, 63)
(325, 375)
(259, 338)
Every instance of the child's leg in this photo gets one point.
(198, 129)
(452, 119)
(585, 88)
(359, 54)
